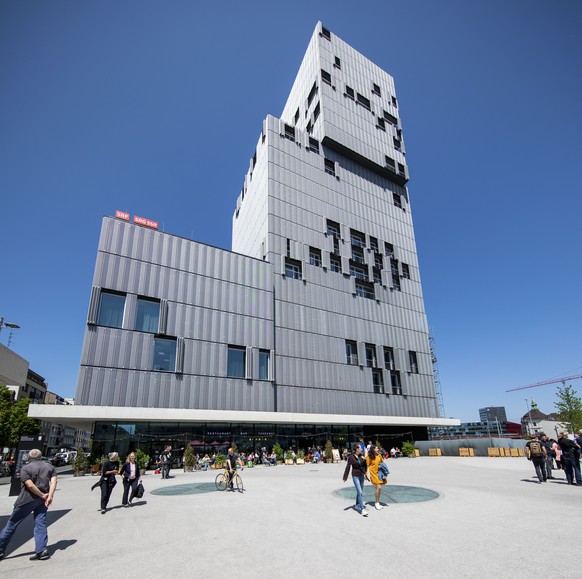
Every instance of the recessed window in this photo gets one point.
(333, 228)
(389, 363)
(236, 365)
(351, 353)
(396, 383)
(390, 163)
(148, 315)
(376, 90)
(111, 306)
(395, 102)
(264, 356)
(397, 144)
(312, 93)
(164, 355)
(315, 256)
(335, 264)
(401, 168)
(325, 33)
(337, 62)
(413, 362)
(357, 238)
(309, 127)
(350, 92)
(374, 244)
(390, 118)
(381, 123)
(378, 263)
(359, 272)
(290, 133)
(405, 270)
(296, 116)
(316, 112)
(378, 381)
(371, 356)
(325, 77)
(397, 200)
(292, 268)
(313, 145)
(358, 254)
(395, 274)
(329, 166)
(365, 289)
(388, 249)
(377, 277)
(365, 102)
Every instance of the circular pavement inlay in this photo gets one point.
(390, 494)
(191, 489)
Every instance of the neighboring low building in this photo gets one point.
(535, 422)
(476, 430)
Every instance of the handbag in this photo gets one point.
(140, 491)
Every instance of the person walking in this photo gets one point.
(166, 460)
(39, 482)
(359, 468)
(130, 475)
(373, 460)
(545, 441)
(536, 452)
(570, 461)
(108, 482)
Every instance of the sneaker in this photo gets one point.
(126, 506)
(378, 506)
(1, 555)
(103, 511)
(364, 513)
(40, 556)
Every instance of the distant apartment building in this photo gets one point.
(492, 414)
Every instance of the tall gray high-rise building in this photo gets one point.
(492, 413)
(312, 327)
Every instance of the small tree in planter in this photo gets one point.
(189, 459)
(300, 456)
(278, 452)
(219, 461)
(289, 457)
(80, 464)
(328, 451)
(408, 449)
(142, 460)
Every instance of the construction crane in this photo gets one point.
(553, 381)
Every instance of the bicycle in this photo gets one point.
(222, 481)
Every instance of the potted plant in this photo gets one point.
(80, 464)
(189, 459)
(278, 452)
(328, 451)
(142, 460)
(300, 457)
(219, 461)
(408, 449)
(289, 457)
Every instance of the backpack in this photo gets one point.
(535, 449)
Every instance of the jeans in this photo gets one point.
(359, 484)
(549, 466)
(540, 466)
(39, 509)
(127, 484)
(571, 467)
(165, 470)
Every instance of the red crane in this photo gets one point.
(553, 381)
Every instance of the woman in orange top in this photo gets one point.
(373, 460)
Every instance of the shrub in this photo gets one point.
(408, 448)
(278, 452)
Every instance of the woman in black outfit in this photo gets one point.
(130, 475)
(110, 469)
(359, 468)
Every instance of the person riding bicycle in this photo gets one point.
(232, 460)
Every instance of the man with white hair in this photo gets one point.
(39, 482)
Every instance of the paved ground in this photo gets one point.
(490, 520)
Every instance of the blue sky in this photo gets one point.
(154, 108)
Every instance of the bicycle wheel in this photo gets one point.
(238, 483)
(221, 482)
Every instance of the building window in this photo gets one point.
(377, 277)
(237, 357)
(405, 271)
(309, 127)
(335, 264)
(316, 111)
(365, 289)
(312, 93)
(390, 163)
(333, 228)
(337, 62)
(413, 361)
(296, 116)
(292, 268)
(325, 33)
(378, 381)
(394, 102)
(148, 315)
(315, 257)
(378, 263)
(358, 255)
(389, 249)
(111, 306)
(325, 77)
(396, 383)
(357, 238)
(381, 123)
(264, 357)
(397, 200)
(371, 356)
(313, 144)
(401, 169)
(351, 353)
(362, 100)
(395, 274)
(397, 144)
(350, 92)
(376, 89)
(290, 133)
(329, 166)
(359, 272)
(374, 244)
(390, 118)
(389, 363)
(164, 355)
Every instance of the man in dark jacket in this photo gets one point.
(545, 441)
(570, 461)
(536, 452)
(39, 482)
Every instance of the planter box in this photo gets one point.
(434, 452)
(493, 452)
(300, 461)
(466, 452)
(288, 461)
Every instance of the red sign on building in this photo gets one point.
(122, 215)
(146, 222)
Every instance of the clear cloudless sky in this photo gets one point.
(155, 108)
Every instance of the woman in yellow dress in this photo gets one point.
(373, 460)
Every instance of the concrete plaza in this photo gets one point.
(491, 519)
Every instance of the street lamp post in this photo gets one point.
(529, 417)
(12, 327)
